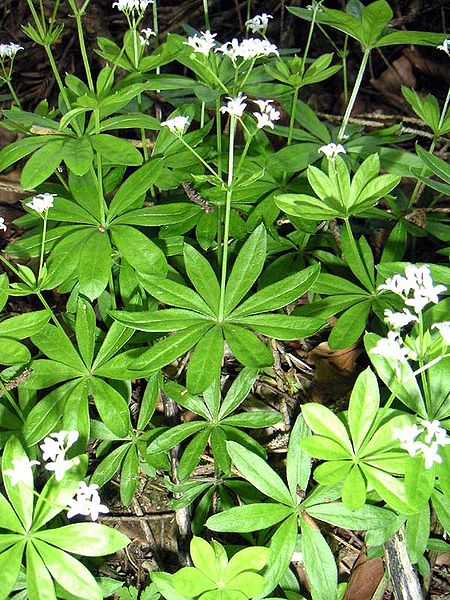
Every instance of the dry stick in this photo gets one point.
(404, 580)
(155, 550)
(182, 515)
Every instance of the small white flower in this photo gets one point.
(315, 7)
(131, 5)
(444, 330)
(259, 23)
(435, 436)
(445, 46)
(430, 453)
(21, 471)
(249, 49)
(235, 107)
(87, 502)
(9, 50)
(202, 43)
(41, 202)
(54, 450)
(406, 434)
(391, 348)
(61, 465)
(176, 125)
(268, 114)
(145, 36)
(2, 224)
(332, 150)
(398, 320)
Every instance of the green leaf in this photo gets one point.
(354, 489)
(54, 343)
(175, 294)
(139, 251)
(130, 121)
(255, 419)
(111, 406)
(42, 164)
(366, 517)
(442, 508)
(25, 325)
(169, 319)
(10, 563)
(134, 187)
(21, 148)
(109, 465)
(282, 546)
(279, 294)
(191, 581)
(206, 361)
(202, 276)
(173, 436)
(363, 407)
(319, 562)
(258, 473)
(323, 421)
(86, 539)
(165, 351)
(149, 401)
(306, 207)
(13, 352)
(298, 467)
(391, 489)
(281, 327)
(78, 155)
(85, 330)
(115, 339)
(129, 476)
(95, 265)
(39, 581)
(417, 533)
(325, 448)
(115, 150)
(8, 518)
(238, 391)
(246, 269)
(68, 572)
(20, 495)
(247, 347)
(249, 517)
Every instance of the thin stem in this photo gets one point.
(293, 114)
(82, 42)
(344, 69)
(308, 41)
(13, 93)
(206, 13)
(42, 252)
(52, 314)
(351, 102)
(245, 151)
(423, 375)
(37, 22)
(101, 199)
(247, 75)
(143, 136)
(219, 137)
(197, 155)
(10, 397)
(202, 114)
(226, 231)
(112, 289)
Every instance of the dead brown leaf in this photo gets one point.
(365, 578)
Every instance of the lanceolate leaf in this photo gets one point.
(282, 546)
(281, 327)
(206, 361)
(298, 467)
(39, 580)
(175, 294)
(86, 539)
(202, 276)
(249, 517)
(95, 265)
(247, 347)
(10, 561)
(319, 562)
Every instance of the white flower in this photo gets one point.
(406, 434)
(87, 502)
(444, 330)
(61, 465)
(332, 150)
(21, 471)
(176, 125)
(144, 38)
(235, 106)
(390, 347)
(131, 5)
(315, 7)
(428, 447)
(41, 202)
(435, 431)
(416, 281)
(259, 23)
(430, 453)
(202, 43)
(54, 449)
(249, 49)
(268, 114)
(2, 224)
(9, 50)
(445, 46)
(397, 320)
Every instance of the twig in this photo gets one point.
(404, 580)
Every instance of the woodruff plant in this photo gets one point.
(159, 225)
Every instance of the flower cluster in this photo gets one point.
(398, 320)
(127, 6)
(259, 23)
(145, 36)
(54, 450)
(416, 287)
(41, 202)
(177, 125)
(203, 43)
(267, 115)
(2, 224)
(331, 150)
(445, 46)
(9, 50)
(22, 471)
(86, 502)
(428, 447)
(391, 348)
(249, 49)
(236, 106)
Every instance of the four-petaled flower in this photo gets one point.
(249, 49)
(398, 320)
(9, 50)
(54, 450)
(176, 125)
(235, 107)
(268, 114)
(331, 150)
(145, 36)
(21, 471)
(202, 43)
(86, 502)
(445, 46)
(435, 437)
(131, 5)
(2, 224)
(41, 202)
(259, 23)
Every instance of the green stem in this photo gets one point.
(13, 93)
(344, 69)
(226, 231)
(101, 199)
(11, 400)
(422, 371)
(112, 289)
(42, 252)
(37, 22)
(245, 151)
(206, 13)
(351, 102)
(52, 314)
(219, 137)
(247, 75)
(82, 42)
(308, 41)
(143, 136)
(202, 114)
(292, 117)
(197, 155)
